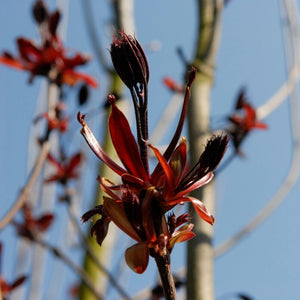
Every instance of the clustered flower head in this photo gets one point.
(65, 169)
(50, 58)
(31, 225)
(243, 121)
(5, 286)
(141, 204)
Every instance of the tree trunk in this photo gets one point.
(200, 279)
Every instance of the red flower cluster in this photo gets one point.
(58, 121)
(6, 287)
(139, 205)
(33, 225)
(243, 121)
(65, 170)
(50, 59)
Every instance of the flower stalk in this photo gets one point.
(167, 280)
(140, 203)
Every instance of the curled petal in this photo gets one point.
(137, 257)
(133, 182)
(202, 181)
(95, 146)
(202, 210)
(184, 233)
(199, 207)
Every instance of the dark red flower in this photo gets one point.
(6, 287)
(59, 121)
(243, 121)
(33, 225)
(50, 59)
(66, 170)
(138, 205)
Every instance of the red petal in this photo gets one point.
(137, 257)
(165, 166)
(173, 143)
(147, 215)
(97, 149)
(183, 234)
(260, 125)
(72, 77)
(125, 144)
(178, 161)
(12, 62)
(55, 163)
(202, 210)
(202, 181)
(28, 50)
(117, 214)
(173, 85)
(199, 207)
(45, 221)
(74, 162)
(55, 177)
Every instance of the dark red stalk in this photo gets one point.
(167, 280)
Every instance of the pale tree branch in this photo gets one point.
(27, 188)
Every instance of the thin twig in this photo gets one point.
(27, 188)
(78, 270)
(93, 35)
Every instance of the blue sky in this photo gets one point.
(266, 264)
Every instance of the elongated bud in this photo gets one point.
(129, 60)
(40, 11)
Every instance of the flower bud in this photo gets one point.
(129, 60)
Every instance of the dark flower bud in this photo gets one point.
(213, 154)
(129, 60)
(53, 22)
(40, 12)
(100, 229)
(208, 161)
(83, 94)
